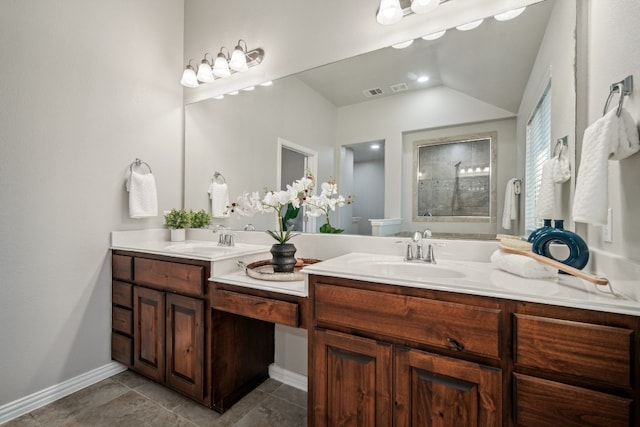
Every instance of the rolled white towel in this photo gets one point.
(522, 266)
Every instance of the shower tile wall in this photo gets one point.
(450, 184)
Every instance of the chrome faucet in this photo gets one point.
(418, 254)
(226, 237)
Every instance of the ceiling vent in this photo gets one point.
(376, 91)
(400, 87)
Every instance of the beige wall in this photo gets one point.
(87, 86)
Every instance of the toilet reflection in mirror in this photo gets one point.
(454, 178)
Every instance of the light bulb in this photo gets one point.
(509, 14)
(422, 79)
(238, 60)
(221, 66)
(189, 78)
(434, 36)
(205, 75)
(389, 12)
(402, 45)
(470, 25)
(424, 6)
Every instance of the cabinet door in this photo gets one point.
(148, 332)
(185, 345)
(438, 391)
(352, 384)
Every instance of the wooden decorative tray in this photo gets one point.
(263, 270)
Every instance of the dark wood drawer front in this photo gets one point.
(122, 320)
(121, 348)
(540, 403)
(121, 267)
(270, 310)
(170, 276)
(122, 294)
(597, 352)
(448, 325)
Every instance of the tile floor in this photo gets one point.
(128, 399)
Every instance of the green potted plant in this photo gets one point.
(200, 219)
(177, 220)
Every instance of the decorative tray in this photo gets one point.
(263, 270)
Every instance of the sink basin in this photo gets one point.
(414, 270)
(211, 249)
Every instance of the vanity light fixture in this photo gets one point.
(424, 6)
(505, 16)
(389, 12)
(189, 78)
(470, 25)
(238, 60)
(392, 11)
(205, 74)
(402, 45)
(222, 66)
(434, 36)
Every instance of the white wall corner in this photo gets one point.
(288, 377)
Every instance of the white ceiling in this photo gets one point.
(491, 63)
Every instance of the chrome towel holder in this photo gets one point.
(219, 177)
(139, 163)
(624, 88)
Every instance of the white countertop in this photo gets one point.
(484, 279)
(479, 278)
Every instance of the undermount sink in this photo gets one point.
(415, 270)
(210, 249)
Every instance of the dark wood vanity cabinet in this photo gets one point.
(385, 355)
(163, 327)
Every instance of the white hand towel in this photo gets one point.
(510, 204)
(545, 199)
(522, 266)
(219, 194)
(608, 138)
(143, 198)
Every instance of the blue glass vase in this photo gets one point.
(535, 233)
(578, 249)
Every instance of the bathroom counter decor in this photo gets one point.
(263, 270)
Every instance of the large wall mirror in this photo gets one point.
(485, 80)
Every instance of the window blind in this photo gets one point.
(538, 151)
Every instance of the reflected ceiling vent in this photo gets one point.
(376, 91)
(400, 87)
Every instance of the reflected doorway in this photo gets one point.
(294, 160)
(365, 165)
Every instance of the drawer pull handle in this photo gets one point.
(455, 344)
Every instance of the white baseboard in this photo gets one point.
(40, 398)
(285, 376)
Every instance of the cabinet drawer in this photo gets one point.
(121, 267)
(121, 348)
(122, 320)
(268, 309)
(122, 294)
(170, 276)
(540, 403)
(443, 324)
(597, 352)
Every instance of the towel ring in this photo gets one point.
(219, 176)
(624, 88)
(561, 146)
(139, 163)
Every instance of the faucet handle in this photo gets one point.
(419, 251)
(426, 233)
(409, 255)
